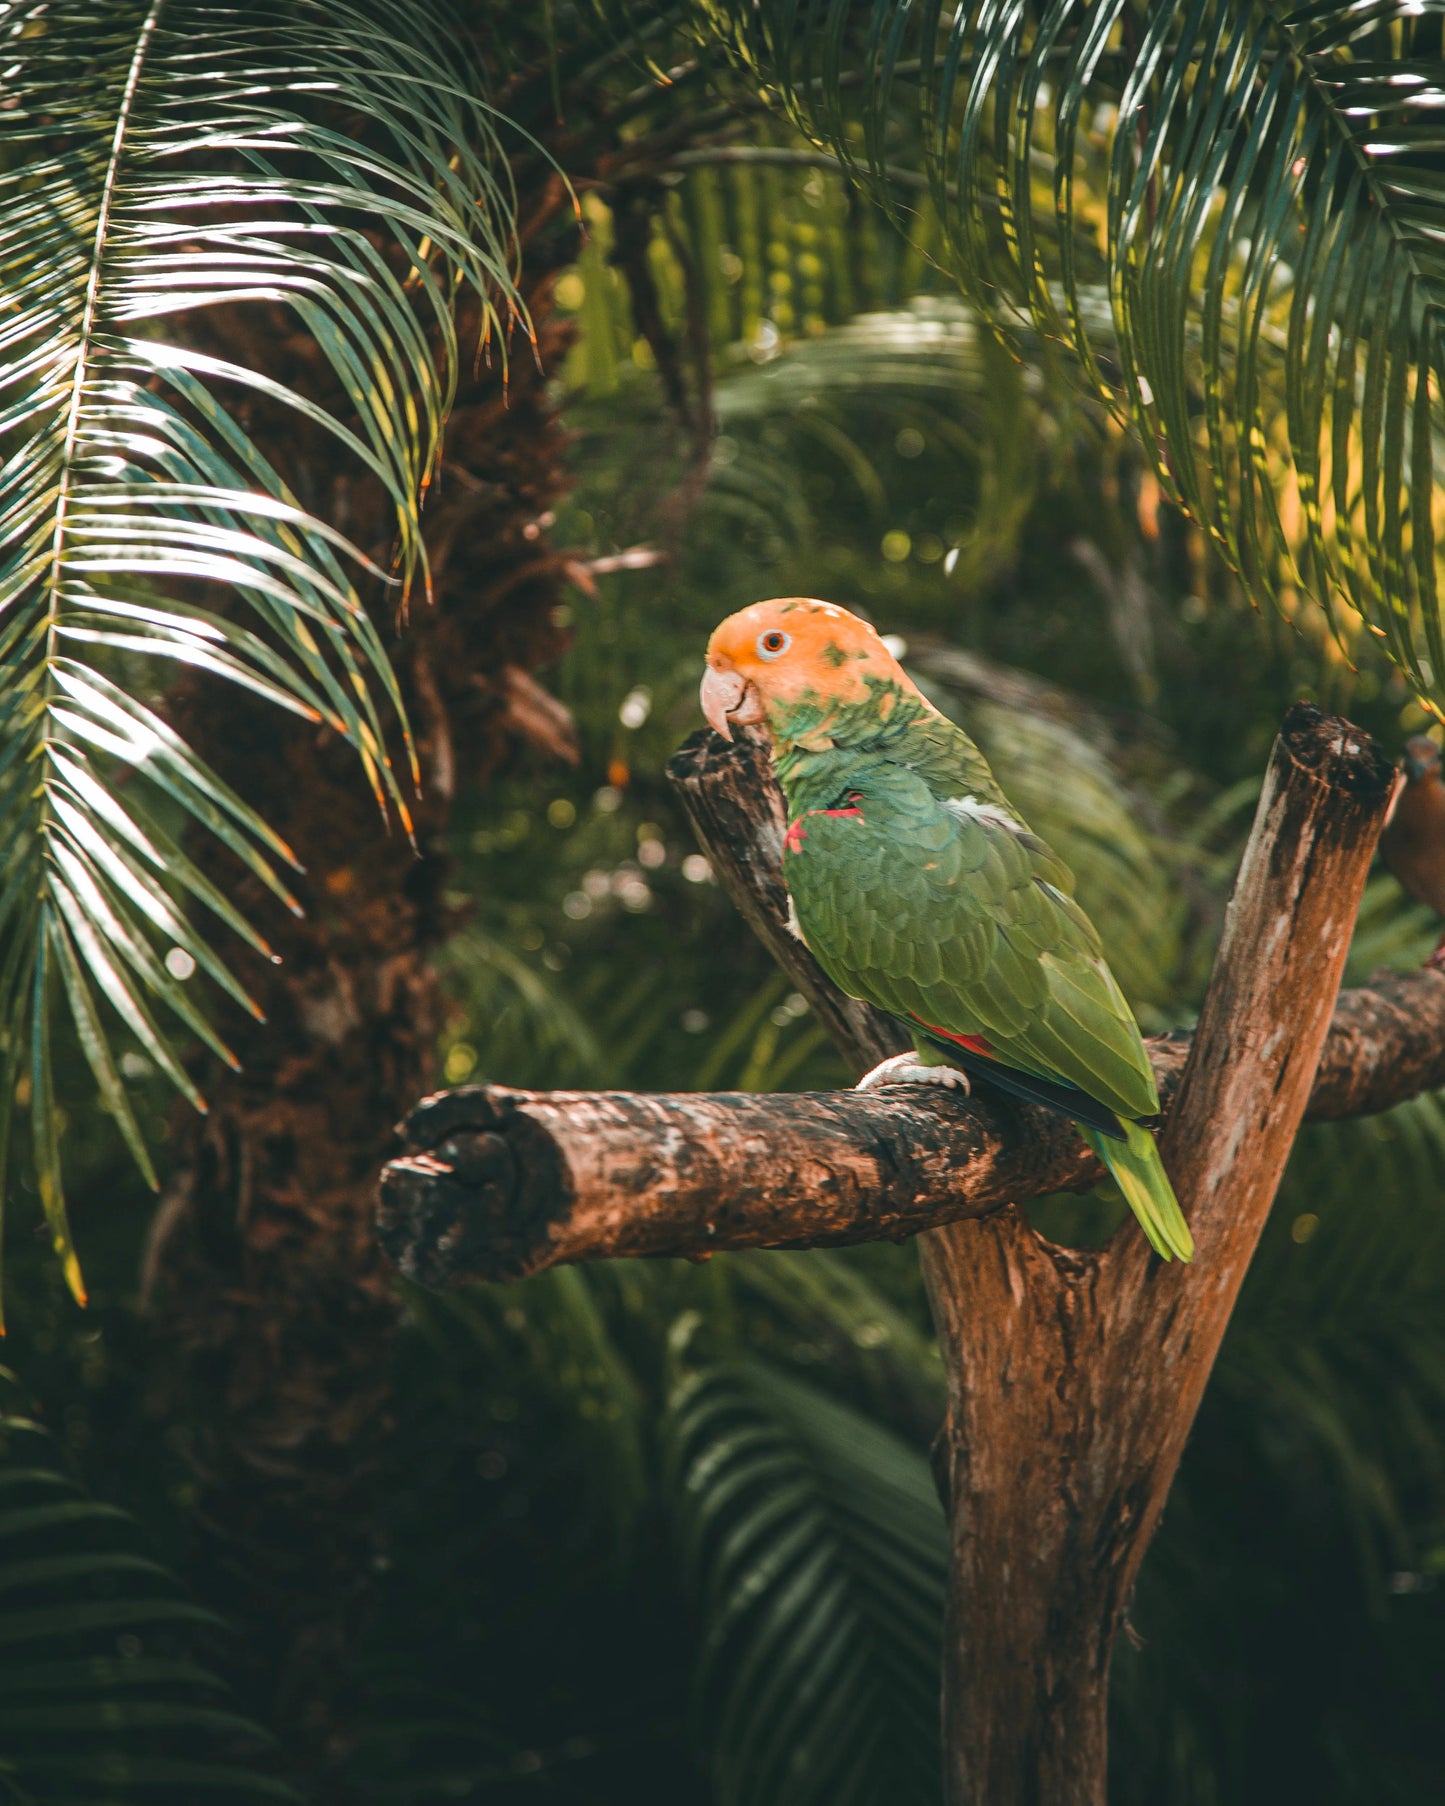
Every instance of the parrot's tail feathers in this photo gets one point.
(1139, 1173)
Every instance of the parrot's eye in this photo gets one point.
(774, 643)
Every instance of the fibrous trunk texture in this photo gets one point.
(272, 1309)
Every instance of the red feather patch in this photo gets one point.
(974, 1043)
(797, 833)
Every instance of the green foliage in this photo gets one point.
(819, 1550)
(535, 1630)
(1308, 1509)
(1256, 190)
(1314, 1457)
(98, 1697)
(140, 182)
(754, 243)
(602, 1581)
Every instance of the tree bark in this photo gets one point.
(1073, 1377)
(272, 1311)
(498, 1183)
(737, 813)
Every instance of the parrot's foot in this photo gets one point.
(1436, 961)
(908, 1069)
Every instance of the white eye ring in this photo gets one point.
(774, 643)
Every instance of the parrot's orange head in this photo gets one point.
(794, 665)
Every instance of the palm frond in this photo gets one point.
(1339, 1330)
(533, 1024)
(551, 1339)
(1391, 930)
(98, 1698)
(859, 1311)
(1310, 1491)
(926, 370)
(753, 243)
(818, 1549)
(833, 402)
(160, 158)
(1256, 188)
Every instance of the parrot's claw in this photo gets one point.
(908, 1069)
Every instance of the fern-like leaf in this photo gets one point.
(98, 1699)
(818, 1548)
(1254, 185)
(158, 158)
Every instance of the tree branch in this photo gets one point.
(1073, 1379)
(500, 1183)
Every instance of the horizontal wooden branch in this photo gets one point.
(498, 1183)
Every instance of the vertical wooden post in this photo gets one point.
(1074, 1377)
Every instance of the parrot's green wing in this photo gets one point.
(948, 911)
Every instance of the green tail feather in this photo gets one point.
(1139, 1174)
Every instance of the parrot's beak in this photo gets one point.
(728, 700)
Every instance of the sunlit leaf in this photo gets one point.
(158, 158)
(1253, 187)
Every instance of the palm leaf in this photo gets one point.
(818, 1549)
(159, 158)
(925, 367)
(1310, 1492)
(1340, 1329)
(97, 1698)
(1255, 187)
(752, 243)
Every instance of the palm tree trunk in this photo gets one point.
(273, 1313)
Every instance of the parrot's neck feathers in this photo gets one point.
(822, 745)
(817, 723)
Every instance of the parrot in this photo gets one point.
(1413, 842)
(918, 888)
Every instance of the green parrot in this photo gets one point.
(918, 888)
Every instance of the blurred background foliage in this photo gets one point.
(667, 1532)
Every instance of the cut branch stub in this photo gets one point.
(736, 809)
